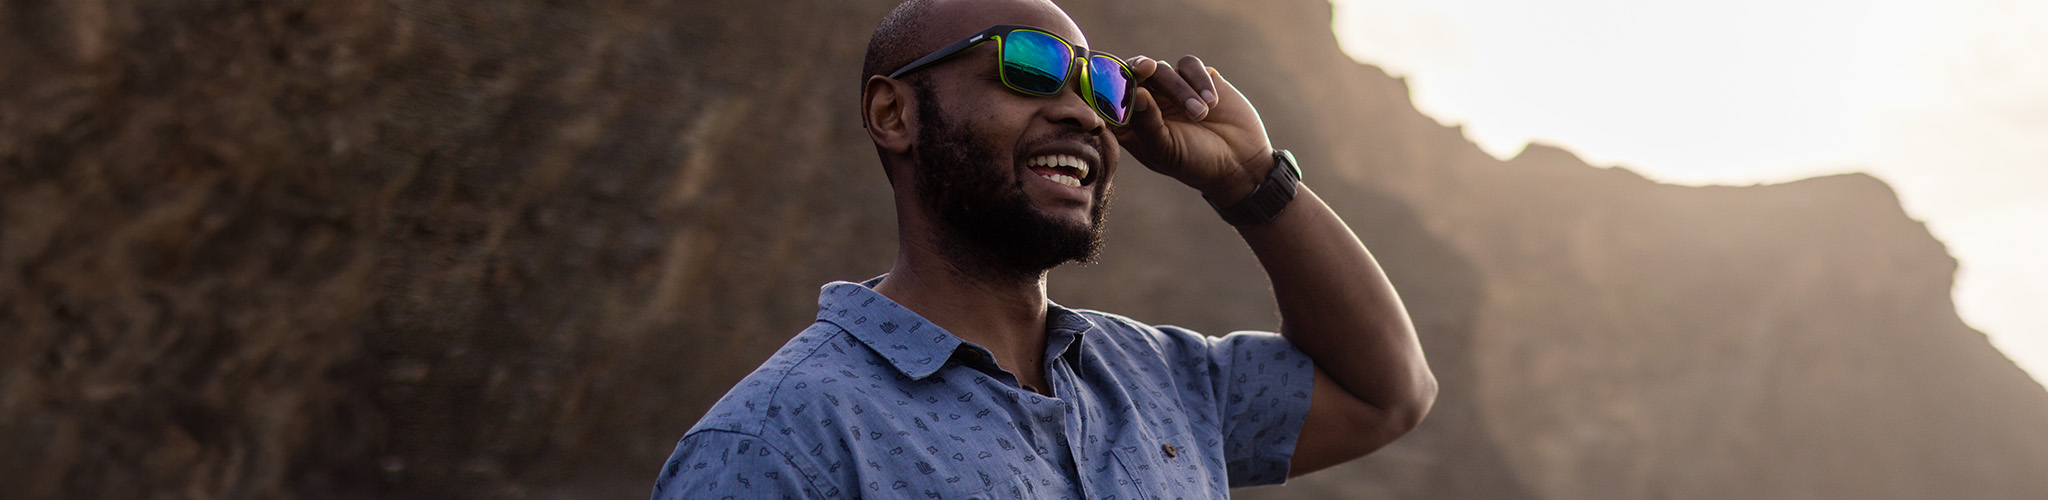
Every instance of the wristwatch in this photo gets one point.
(1267, 200)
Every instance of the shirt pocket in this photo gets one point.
(1165, 469)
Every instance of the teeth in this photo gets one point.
(1069, 181)
(1068, 161)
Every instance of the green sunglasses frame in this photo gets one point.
(1082, 54)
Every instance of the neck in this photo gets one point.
(1001, 310)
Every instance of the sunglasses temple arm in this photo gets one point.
(940, 55)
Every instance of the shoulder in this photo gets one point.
(789, 417)
(823, 352)
(1117, 325)
(722, 464)
(1126, 334)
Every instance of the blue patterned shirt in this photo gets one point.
(872, 401)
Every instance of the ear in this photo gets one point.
(885, 107)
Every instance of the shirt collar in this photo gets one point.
(912, 345)
(918, 348)
(1064, 330)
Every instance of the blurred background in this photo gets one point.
(1946, 101)
(433, 249)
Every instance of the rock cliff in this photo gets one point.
(433, 249)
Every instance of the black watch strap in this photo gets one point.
(1267, 200)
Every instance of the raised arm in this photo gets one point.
(1372, 383)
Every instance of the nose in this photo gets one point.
(1071, 107)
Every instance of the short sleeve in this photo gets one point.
(716, 464)
(1263, 386)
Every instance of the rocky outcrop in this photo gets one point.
(413, 248)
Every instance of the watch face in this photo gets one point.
(1287, 158)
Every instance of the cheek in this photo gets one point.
(1112, 156)
(1008, 114)
(996, 126)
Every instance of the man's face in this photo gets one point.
(995, 169)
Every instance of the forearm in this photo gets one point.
(1337, 305)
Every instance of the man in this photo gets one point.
(953, 376)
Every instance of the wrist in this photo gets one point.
(1271, 195)
(1234, 187)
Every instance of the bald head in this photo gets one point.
(918, 27)
(894, 43)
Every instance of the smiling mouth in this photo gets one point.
(1068, 170)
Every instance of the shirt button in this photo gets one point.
(1170, 451)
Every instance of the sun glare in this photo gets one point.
(1945, 100)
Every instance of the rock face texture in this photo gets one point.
(436, 249)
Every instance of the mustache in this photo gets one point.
(1093, 141)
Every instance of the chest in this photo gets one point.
(963, 434)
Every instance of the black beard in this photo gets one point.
(984, 218)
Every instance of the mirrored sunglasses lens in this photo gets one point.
(1035, 62)
(1111, 84)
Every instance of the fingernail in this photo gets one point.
(1196, 108)
(1208, 96)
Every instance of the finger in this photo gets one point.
(1251, 141)
(1227, 95)
(1197, 75)
(1169, 86)
(1147, 125)
(1142, 67)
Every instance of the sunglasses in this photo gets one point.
(1037, 62)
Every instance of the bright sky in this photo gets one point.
(1946, 100)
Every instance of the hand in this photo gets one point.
(1209, 137)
